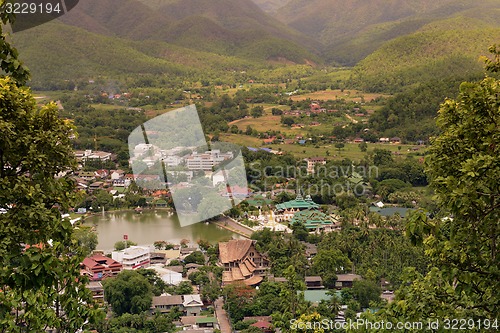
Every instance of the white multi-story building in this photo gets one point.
(207, 160)
(83, 155)
(133, 257)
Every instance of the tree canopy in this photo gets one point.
(40, 259)
(129, 292)
(462, 242)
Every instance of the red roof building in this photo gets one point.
(98, 267)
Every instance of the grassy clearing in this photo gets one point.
(265, 123)
(349, 95)
(350, 150)
(241, 140)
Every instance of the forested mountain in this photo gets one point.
(444, 49)
(393, 44)
(353, 29)
(229, 27)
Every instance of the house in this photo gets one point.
(395, 140)
(384, 140)
(314, 282)
(164, 256)
(196, 322)
(164, 304)
(97, 291)
(86, 175)
(102, 173)
(236, 191)
(315, 107)
(184, 251)
(133, 257)
(172, 160)
(84, 155)
(242, 262)
(96, 186)
(346, 280)
(264, 326)
(192, 304)
(269, 140)
(168, 276)
(98, 267)
(313, 161)
(358, 140)
(161, 203)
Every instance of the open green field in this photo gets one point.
(350, 150)
(241, 140)
(348, 95)
(265, 123)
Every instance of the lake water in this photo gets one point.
(151, 226)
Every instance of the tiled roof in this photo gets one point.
(253, 280)
(167, 300)
(192, 300)
(98, 259)
(348, 277)
(298, 203)
(233, 250)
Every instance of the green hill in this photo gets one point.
(352, 29)
(334, 20)
(220, 26)
(444, 49)
(55, 51)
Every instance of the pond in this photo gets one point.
(151, 226)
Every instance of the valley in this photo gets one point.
(342, 156)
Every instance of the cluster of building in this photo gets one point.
(179, 156)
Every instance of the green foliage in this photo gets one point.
(382, 156)
(446, 47)
(39, 257)
(196, 257)
(463, 166)
(122, 245)
(86, 238)
(10, 63)
(257, 111)
(129, 292)
(139, 323)
(157, 284)
(184, 288)
(385, 252)
(365, 292)
(328, 262)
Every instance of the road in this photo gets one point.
(222, 318)
(229, 224)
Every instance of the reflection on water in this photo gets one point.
(151, 226)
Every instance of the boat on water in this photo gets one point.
(138, 210)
